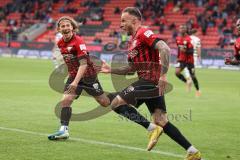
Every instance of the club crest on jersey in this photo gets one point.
(69, 49)
(133, 53)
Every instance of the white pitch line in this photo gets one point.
(99, 143)
(23, 81)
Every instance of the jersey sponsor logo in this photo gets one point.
(184, 42)
(82, 47)
(148, 33)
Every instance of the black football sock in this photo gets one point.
(195, 82)
(66, 113)
(181, 77)
(133, 115)
(176, 135)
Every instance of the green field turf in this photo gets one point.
(27, 116)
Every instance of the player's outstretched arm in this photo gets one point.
(229, 61)
(120, 71)
(164, 52)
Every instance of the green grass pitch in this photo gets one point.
(210, 122)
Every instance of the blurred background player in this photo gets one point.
(57, 57)
(196, 42)
(185, 58)
(82, 74)
(236, 59)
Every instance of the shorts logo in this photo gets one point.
(128, 90)
(96, 86)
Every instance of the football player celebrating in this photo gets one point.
(185, 57)
(236, 59)
(149, 57)
(82, 74)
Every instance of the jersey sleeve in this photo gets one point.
(149, 38)
(189, 43)
(237, 49)
(198, 43)
(81, 49)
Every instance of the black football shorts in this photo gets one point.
(90, 85)
(144, 91)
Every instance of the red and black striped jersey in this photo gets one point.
(72, 51)
(186, 43)
(142, 55)
(237, 49)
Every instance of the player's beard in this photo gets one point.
(129, 30)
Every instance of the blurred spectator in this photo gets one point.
(97, 40)
(204, 26)
(174, 33)
(161, 27)
(81, 20)
(185, 11)
(172, 26)
(114, 33)
(222, 41)
(178, 5)
(117, 10)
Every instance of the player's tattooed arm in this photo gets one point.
(164, 52)
(122, 70)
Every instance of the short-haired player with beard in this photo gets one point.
(236, 59)
(82, 74)
(149, 57)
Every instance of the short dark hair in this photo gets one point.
(134, 12)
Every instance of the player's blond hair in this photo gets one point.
(71, 20)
